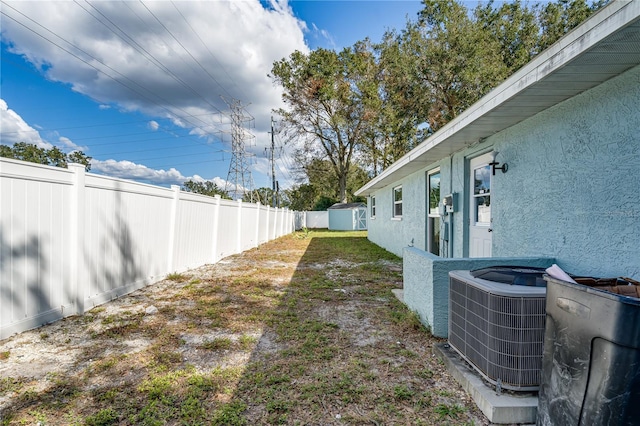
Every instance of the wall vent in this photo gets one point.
(498, 329)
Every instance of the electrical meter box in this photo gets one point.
(450, 203)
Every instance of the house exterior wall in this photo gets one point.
(573, 187)
(572, 191)
(396, 233)
(571, 196)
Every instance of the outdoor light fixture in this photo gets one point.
(494, 164)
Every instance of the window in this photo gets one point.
(373, 207)
(397, 201)
(482, 195)
(433, 216)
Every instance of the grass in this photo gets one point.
(303, 330)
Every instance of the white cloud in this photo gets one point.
(153, 125)
(202, 54)
(67, 145)
(141, 173)
(15, 129)
(129, 170)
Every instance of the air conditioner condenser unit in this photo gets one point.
(498, 328)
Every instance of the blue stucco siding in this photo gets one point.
(426, 282)
(395, 234)
(573, 187)
(572, 191)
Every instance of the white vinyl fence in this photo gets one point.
(312, 219)
(71, 240)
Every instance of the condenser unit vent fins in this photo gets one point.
(498, 329)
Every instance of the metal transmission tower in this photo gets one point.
(239, 180)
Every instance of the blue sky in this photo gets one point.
(145, 88)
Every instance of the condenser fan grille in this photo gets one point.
(500, 334)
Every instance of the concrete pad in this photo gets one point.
(506, 408)
(399, 293)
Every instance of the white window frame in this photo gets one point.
(396, 203)
(431, 216)
(372, 210)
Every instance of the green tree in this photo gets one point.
(302, 197)
(516, 28)
(447, 59)
(557, 19)
(456, 61)
(394, 129)
(265, 196)
(205, 188)
(329, 101)
(50, 157)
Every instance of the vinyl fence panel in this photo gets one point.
(71, 240)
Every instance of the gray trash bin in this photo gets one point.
(591, 358)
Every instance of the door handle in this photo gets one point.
(490, 230)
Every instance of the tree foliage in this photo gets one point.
(328, 105)
(321, 192)
(205, 188)
(371, 103)
(267, 197)
(50, 157)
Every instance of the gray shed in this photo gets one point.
(348, 217)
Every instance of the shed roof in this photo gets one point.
(604, 46)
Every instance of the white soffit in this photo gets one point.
(604, 46)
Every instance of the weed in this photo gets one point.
(277, 406)
(10, 384)
(230, 415)
(407, 353)
(218, 344)
(247, 342)
(446, 410)
(103, 417)
(4, 355)
(157, 387)
(445, 393)
(425, 373)
(192, 408)
(177, 277)
(423, 401)
(110, 319)
(402, 392)
(109, 396)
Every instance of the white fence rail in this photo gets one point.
(71, 240)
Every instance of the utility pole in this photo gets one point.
(273, 168)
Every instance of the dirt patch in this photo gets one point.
(299, 331)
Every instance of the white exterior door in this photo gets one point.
(480, 200)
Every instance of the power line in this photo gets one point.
(150, 57)
(215, 58)
(100, 70)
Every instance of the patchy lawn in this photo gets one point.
(303, 330)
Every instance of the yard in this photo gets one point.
(302, 330)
